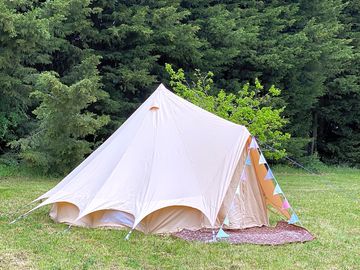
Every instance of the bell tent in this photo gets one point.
(170, 166)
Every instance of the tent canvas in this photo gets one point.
(170, 166)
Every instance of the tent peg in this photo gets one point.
(127, 237)
(68, 229)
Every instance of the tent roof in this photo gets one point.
(169, 152)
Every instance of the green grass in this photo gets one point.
(328, 205)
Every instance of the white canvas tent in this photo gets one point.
(170, 166)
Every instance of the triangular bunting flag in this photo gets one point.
(285, 204)
(243, 175)
(269, 175)
(232, 206)
(253, 144)
(226, 221)
(294, 218)
(262, 159)
(222, 234)
(237, 190)
(277, 189)
(248, 160)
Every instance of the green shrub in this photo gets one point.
(253, 106)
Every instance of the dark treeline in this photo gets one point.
(118, 50)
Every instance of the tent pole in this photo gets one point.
(213, 235)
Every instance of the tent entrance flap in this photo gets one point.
(244, 205)
(65, 212)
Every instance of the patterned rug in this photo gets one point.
(282, 233)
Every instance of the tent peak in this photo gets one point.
(161, 87)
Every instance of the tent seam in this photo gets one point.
(117, 164)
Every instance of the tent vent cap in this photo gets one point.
(154, 108)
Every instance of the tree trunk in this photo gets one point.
(314, 133)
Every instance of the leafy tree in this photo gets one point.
(251, 106)
(59, 142)
(295, 45)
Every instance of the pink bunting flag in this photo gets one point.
(285, 204)
(243, 175)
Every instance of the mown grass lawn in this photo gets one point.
(328, 205)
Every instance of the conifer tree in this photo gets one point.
(135, 39)
(23, 39)
(339, 108)
(59, 141)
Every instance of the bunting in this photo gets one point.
(226, 221)
(222, 234)
(248, 160)
(262, 159)
(269, 175)
(285, 204)
(293, 219)
(277, 189)
(253, 144)
(243, 175)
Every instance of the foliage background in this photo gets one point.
(308, 49)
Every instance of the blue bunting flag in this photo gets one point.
(277, 190)
(294, 218)
(226, 221)
(248, 160)
(269, 175)
(222, 234)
